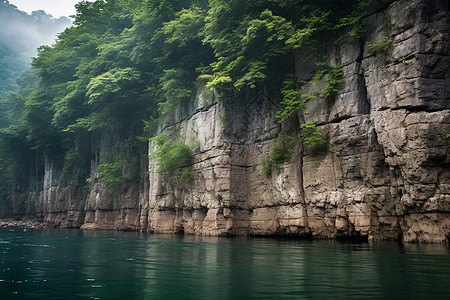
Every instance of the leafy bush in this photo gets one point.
(282, 151)
(120, 166)
(70, 161)
(313, 139)
(173, 159)
(334, 79)
(309, 137)
(185, 177)
(380, 46)
(111, 175)
(293, 97)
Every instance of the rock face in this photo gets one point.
(385, 176)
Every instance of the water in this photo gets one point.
(75, 264)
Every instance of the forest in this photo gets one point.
(127, 65)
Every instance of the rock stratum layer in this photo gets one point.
(385, 175)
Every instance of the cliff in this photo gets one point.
(385, 174)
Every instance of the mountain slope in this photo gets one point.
(20, 35)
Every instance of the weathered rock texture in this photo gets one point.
(386, 174)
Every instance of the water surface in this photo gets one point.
(75, 264)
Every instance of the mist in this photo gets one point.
(20, 36)
(24, 33)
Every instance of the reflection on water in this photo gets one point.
(75, 264)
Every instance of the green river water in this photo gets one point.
(75, 264)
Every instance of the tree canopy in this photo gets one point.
(125, 63)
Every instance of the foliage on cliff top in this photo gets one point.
(251, 38)
(125, 62)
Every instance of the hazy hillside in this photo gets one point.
(20, 35)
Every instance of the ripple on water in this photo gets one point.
(34, 245)
(229, 269)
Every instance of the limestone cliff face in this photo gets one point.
(385, 176)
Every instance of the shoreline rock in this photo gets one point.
(26, 224)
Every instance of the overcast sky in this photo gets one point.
(56, 8)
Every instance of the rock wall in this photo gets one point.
(385, 176)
